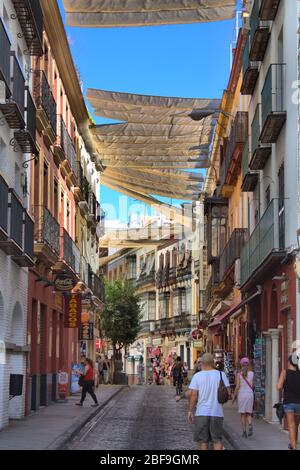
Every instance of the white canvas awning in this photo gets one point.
(146, 154)
(124, 13)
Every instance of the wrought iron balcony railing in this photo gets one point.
(238, 136)
(273, 103)
(48, 231)
(30, 16)
(5, 57)
(232, 250)
(264, 239)
(44, 99)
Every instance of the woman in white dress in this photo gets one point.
(245, 396)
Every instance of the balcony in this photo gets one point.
(65, 154)
(46, 246)
(165, 324)
(231, 164)
(250, 72)
(159, 278)
(264, 248)
(16, 228)
(268, 10)
(260, 152)
(25, 138)
(232, 251)
(96, 285)
(84, 271)
(5, 58)
(30, 17)
(273, 104)
(69, 165)
(145, 279)
(46, 108)
(259, 34)
(69, 253)
(3, 210)
(250, 178)
(84, 204)
(78, 189)
(13, 106)
(172, 275)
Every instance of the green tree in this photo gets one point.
(120, 318)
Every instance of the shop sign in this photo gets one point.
(197, 344)
(72, 310)
(150, 340)
(86, 331)
(157, 341)
(64, 282)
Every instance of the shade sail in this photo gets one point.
(117, 13)
(144, 155)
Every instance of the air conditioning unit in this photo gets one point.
(237, 273)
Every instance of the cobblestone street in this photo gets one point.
(140, 418)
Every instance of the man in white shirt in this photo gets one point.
(208, 418)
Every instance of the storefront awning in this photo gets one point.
(124, 13)
(220, 318)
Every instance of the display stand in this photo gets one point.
(259, 369)
(228, 367)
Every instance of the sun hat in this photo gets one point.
(244, 361)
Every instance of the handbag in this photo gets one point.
(279, 411)
(223, 394)
(81, 381)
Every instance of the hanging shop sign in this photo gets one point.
(86, 303)
(157, 341)
(72, 310)
(86, 331)
(64, 282)
(196, 334)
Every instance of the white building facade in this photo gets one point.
(20, 40)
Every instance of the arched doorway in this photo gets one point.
(17, 359)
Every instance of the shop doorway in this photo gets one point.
(182, 352)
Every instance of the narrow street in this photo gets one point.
(140, 418)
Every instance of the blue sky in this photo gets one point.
(191, 61)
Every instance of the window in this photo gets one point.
(55, 189)
(62, 209)
(131, 269)
(152, 306)
(182, 301)
(45, 185)
(68, 217)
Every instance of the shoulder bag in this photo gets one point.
(223, 394)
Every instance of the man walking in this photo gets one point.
(208, 418)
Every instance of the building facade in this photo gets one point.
(252, 217)
(20, 40)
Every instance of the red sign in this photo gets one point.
(63, 378)
(72, 311)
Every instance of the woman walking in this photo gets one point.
(88, 383)
(289, 381)
(245, 395)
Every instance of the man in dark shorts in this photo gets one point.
(209, 417)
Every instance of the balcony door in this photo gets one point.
(281, 214)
